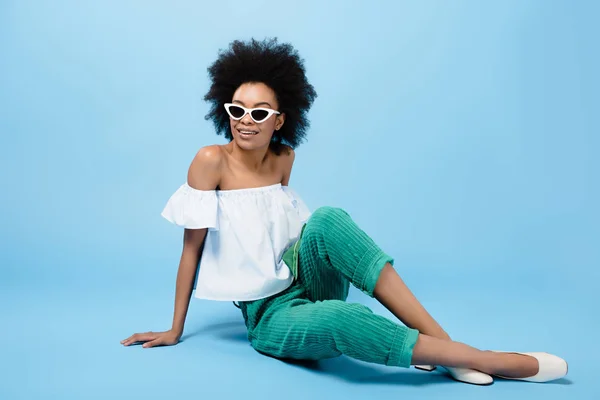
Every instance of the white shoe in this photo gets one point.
(468, 375)
(551, 367)
(465, 375)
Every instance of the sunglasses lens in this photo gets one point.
(259, 115)
(236, 112)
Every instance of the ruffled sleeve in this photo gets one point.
(192, 208)
(299, 205)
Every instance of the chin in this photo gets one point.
(249, 145)
(242, 145)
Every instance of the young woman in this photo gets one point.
(256, 242)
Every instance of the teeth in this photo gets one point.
(248, 132)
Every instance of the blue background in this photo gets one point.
(461, 135)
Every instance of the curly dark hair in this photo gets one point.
(278, 66)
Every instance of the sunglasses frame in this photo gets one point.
(249, 111)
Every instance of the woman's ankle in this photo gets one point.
(510, 365)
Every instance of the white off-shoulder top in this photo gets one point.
(248, 232)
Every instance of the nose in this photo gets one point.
(247, 120)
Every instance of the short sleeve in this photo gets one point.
(302, 209)
(192, 208)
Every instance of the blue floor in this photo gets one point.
(462, 135)
(61, 341)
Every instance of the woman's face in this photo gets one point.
(248, 134)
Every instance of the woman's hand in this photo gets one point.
(152, 339)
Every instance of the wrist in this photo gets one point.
(177, 331)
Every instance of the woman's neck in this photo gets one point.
(251, 159)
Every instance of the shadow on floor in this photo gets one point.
(347, 369)
(229, 330)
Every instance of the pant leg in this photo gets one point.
(301, 329)
(335, 251)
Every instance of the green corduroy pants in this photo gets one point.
(311, 320)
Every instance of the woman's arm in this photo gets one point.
(190, 257)
(204, 174)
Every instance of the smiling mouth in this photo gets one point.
(247, 133)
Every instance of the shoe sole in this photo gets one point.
(426, 369)
(470, 383)
(453, 378)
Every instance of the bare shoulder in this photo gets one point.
(287, 154)
(287, 158)
(205, 170)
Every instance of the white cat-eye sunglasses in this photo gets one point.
(258, 115)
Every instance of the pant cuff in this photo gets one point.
(402, 347)
(369, 268)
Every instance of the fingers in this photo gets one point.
(152, 343)
(139, 337)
